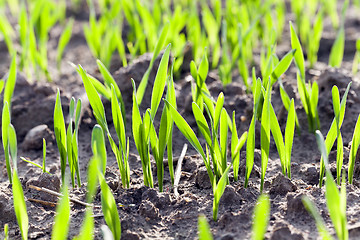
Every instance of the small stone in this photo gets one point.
(33, 139)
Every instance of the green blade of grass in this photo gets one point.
(62, 217)
(289, 136)
(145, 78)
(204, 229)
(219, 189)
(298, 55)
(94, 99)
(63, 41)
(332, 133)
(320, 224)
(282, 66)
(109, 80)
(223, 138)
(337, 50)
(261, 217)
(109, 208)
(98, 146)
(60, 134)
(190, 135)
(353, 150)
(160, 80)
(87, 228)
(13, 145)
(202, 124)
(10, 82)
(265, 134)
(278, 138)
(20, 206)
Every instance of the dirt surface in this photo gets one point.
(148, 214)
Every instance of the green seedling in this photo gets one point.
(98, 147)
(87, 228)
(62, 218)
(333, 131)
(145, 78)
(337, 50)
(109, 208)
(204, 229)
(335, 200)
(314, 38)
(353, 150)
(261, 217)
(60, 134)
(20, 206)
(236, 145)
(10, 82)
(308, 93)
(199, 76)
(63, 41)
(250, 142)
(67, 141)
(339, 144)
(265, 133)
(356, 62)
(5, 138)
(122, 152)
(284, 147)
(144, 130)
(8, 33)
(218, 191)
(43, 168)
(159, 143)
(6, 232)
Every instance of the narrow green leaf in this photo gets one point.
(320, 224)
(289, 136)
(109, 208)
(265, 134)
(62, 217)
(98, 146)
(145, 78)
(10, 82)
(13, 145)
(63, 41)
(261, 217)
(219, 189)
(160, 80)
(202, 124)
(337, 50)
(60, 134)
(87, 228)
(204, 229)
(20, 206)
(298, 55)
(353, 150)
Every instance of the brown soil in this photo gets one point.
(149, 214)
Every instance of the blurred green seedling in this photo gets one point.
(63, 41)
(204, 229)
(261, 217)
(309, 93)
(62, 218)
(356, 61)
(334, 130)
